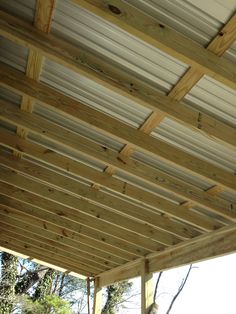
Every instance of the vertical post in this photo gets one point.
(97, 305)
(147, 286)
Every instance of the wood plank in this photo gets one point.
(69, 221)
(97, 300)
(211, 245)
(47, 130)
(112, 127)
(61, 242)
(138, 212)
(78, 220)
(160, 36)
(73, 58)
(86, 212)
(42, 21)
(59, 227)
(221, 42)
(147, 289)
(23, 248)
(49, 246)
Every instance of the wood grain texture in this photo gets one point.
(117, 129)
(160, 205)
(162, 37)
(47, 130)
(101, 72)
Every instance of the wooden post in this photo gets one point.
(146, 289)
(97, 305)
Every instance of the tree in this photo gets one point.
(7, 284)
(115, 295)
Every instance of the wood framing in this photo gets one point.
(73, 58)
(93, 179)
(217, 243)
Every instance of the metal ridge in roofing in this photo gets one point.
(214, 98)
(197, 144)
(93, 94)
(13, 54)
(82, 27)
(20, 8)
(200, 20)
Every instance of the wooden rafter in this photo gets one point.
(101, 72)
(42, 21)
(57, 134)
(125, 189)
(135, 22)
(57, 101)
(211, 245)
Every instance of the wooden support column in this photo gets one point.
(146, 288)
(97, 303)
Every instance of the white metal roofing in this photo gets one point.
(196, 19)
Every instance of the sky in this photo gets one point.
(210, 289)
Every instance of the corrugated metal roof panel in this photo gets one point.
(79, 128)
(20, 8)
(196, 144)
(212, 97)
(81, 27)
(7, 95)
(172, 170)
(93, 94)
(13, 54)
(200, 20)
(147, 187)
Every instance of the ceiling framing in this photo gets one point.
(91, 191)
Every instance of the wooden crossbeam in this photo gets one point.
(146, 28)
(59, 241)
(79, 221)
(138, 212)
(42, 21)
(88, 65)
(51, 247)
(155, 147)
(75, 142)
(32, 251)
(60, 228)
(134, 228)
(213, 244)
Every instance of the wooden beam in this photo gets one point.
(47, 130)
(96, 217)
(114, 128)
(74, 58)
(147, 289)
(59, 226)
(135, 22)
(42, 21)
(23, 248)
(97, 301)
(50, 246)
(21, 228)
(151, 217)
(70, 216)
(214, 244)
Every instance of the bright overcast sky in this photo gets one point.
(210, 289)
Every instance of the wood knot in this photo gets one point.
(114, 9)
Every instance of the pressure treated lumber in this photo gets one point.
(101, 72)
(213, 244)
(45, 215)
(68, 165)
(53, 233)
(60, 227)
(46, 130)
(146, 28)
(147, 288)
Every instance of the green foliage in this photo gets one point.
(50, 304)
